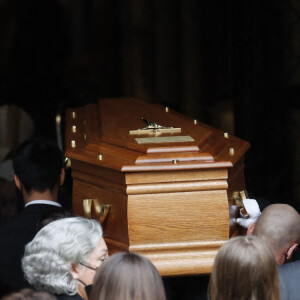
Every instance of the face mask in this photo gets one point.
(88, 289)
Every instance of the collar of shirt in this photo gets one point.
(49, 202)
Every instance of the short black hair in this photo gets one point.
(38, 163)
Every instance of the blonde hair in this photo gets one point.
(244, 269)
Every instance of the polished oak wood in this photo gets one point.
(172, 202)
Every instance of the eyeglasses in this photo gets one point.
(94, 269)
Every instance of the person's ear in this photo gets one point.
(18, 182)
(62, 176)
(250, 228)
(74, 271)
(291, 250)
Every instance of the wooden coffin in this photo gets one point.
(166, 193)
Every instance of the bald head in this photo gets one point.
(279, 227)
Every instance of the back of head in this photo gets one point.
(29, 294)
(127, 276)
(38, 164)
(278, 226)
(245, 269)
(48, 257)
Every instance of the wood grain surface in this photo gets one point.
(172, 202)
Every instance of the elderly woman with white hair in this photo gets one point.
(63, 257)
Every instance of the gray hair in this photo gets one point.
(49, 256)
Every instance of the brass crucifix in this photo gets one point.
(154, 128)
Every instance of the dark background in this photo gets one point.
(233, 64)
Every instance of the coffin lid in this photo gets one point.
(100, 134)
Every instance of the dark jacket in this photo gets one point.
(14, 235)
(290, 276)
(67, 297)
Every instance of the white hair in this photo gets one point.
(49, 256)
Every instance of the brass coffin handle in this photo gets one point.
(239, 197)
(87, 208)
(93, 209)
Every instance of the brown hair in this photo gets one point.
(29, 294)
(244, 269)
(127, 276)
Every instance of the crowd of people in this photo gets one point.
(48, 253)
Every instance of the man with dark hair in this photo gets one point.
(38, 167)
